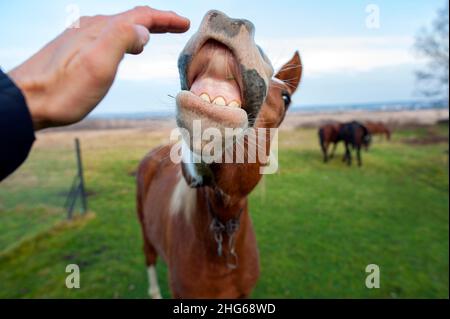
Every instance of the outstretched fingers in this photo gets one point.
(131, 29)
(157, 21)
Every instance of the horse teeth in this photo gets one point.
(205, 97)
(220, 101)
(234, 104)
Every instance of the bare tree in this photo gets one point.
(432, 44)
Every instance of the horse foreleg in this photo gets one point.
(333, 150)
(325, 151)
(348, 154)
(150, 257)
(358, 155)
(346, 151)
(153, 291)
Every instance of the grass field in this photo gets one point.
(317, 225)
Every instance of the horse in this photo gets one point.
(194, 213)
(354, 135)
(378, 128)
(328, 134)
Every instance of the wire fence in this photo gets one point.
(45, 190)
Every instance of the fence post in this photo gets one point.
(81, 177)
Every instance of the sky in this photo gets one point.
(349, 55)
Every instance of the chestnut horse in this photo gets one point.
(378, 128)
(328, 134)
(195, 215)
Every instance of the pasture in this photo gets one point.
(318, 225)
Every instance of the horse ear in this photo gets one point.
(291, 72)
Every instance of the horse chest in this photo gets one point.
(197, 271)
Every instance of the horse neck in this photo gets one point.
(216, 204)
(231, 183)
(227, 197)
(237, 180)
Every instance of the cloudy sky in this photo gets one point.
(348, 56)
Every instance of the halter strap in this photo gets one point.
(230, 228)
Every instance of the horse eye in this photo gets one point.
(286, 98)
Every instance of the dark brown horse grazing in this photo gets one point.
(378, 128)
(195, 215)
(354, 135)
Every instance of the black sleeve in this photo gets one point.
(16, 127)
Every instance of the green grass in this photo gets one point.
(317, 225)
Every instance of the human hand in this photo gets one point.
(65, 80)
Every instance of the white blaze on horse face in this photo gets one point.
(153, 290)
